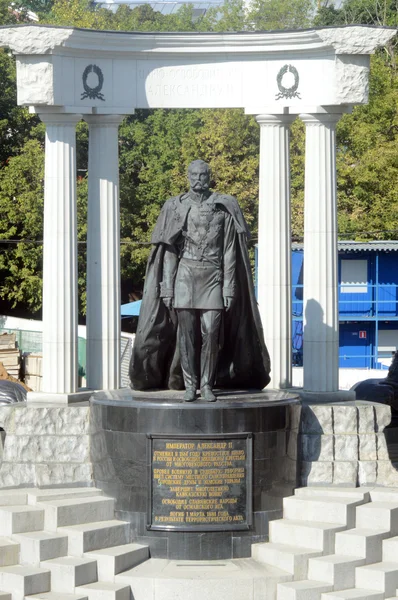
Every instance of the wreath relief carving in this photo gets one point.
(93, 93)
(291, 91)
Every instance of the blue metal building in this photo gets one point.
(368, 303)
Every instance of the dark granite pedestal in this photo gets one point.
(197, 481)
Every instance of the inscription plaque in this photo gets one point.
(200, 482)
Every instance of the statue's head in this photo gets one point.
(199, 176)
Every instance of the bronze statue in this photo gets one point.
(199, 324)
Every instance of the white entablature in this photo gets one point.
(116, 72)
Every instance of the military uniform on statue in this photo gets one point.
(199, 273)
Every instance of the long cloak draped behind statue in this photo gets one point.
(243, 361)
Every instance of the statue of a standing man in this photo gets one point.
(200, 273)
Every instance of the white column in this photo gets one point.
(321, 319)
(274, 245)
(103, 254)
(60, 256)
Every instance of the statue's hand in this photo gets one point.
(168, 302)
(227, 302)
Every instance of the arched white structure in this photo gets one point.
(66, 74)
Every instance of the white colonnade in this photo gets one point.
(103, 253)
(60, 277)
(320, 306)
(60, 256)
(64, 74)
(274, 245)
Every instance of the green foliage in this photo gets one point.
(368, 160)
(280, 14)
(21, 210)
(156, 146)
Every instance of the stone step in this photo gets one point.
(309, 534)
(339, 510)
(56, 596)
(303, 590)
(389, 494)
(36, 496)
(366, 543)
(353, 594)
(77, 511)
(9, 552)
(336, 569)
(13, 497)
(355, 493)
(237, 579)
(95, 536)
(293, 559)
(103, 590)
(41, 545)
(24, 581)
(390, 550)
(378, 515)
(5, 596)
(20, 518)
(115, 560)
(68, 572)
(380, 577)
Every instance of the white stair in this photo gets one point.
(20, 518)
(365, 543)
(35, 496)
(68, 572)
(339, 510)
(115, 560)
(336, 569)
(23, 580)
(37, 546)
(378, 515)
(14, 497)
(342, 552)
(307, 534)
(293, 559)
(353, 594)
(303, 590)
(56, 596)
(380, 577)
(63, 544)
(106, 591)
(75, 511)
(390, 550)
(9, 553)
(94, 536)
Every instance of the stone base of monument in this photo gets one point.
(197, 481)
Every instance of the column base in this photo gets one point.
(49, 398)
(323, 397)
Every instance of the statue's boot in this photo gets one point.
(190, 394)
(207, 394)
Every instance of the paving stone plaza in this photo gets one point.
(318, 515)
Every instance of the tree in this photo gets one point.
(156, 147)
(280, 14)
(368, 160)
(21, 210)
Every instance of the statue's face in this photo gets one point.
(199, 178)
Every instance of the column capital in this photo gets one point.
(60, 118)
(320, 118)
(104, 120)
(271, 119)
